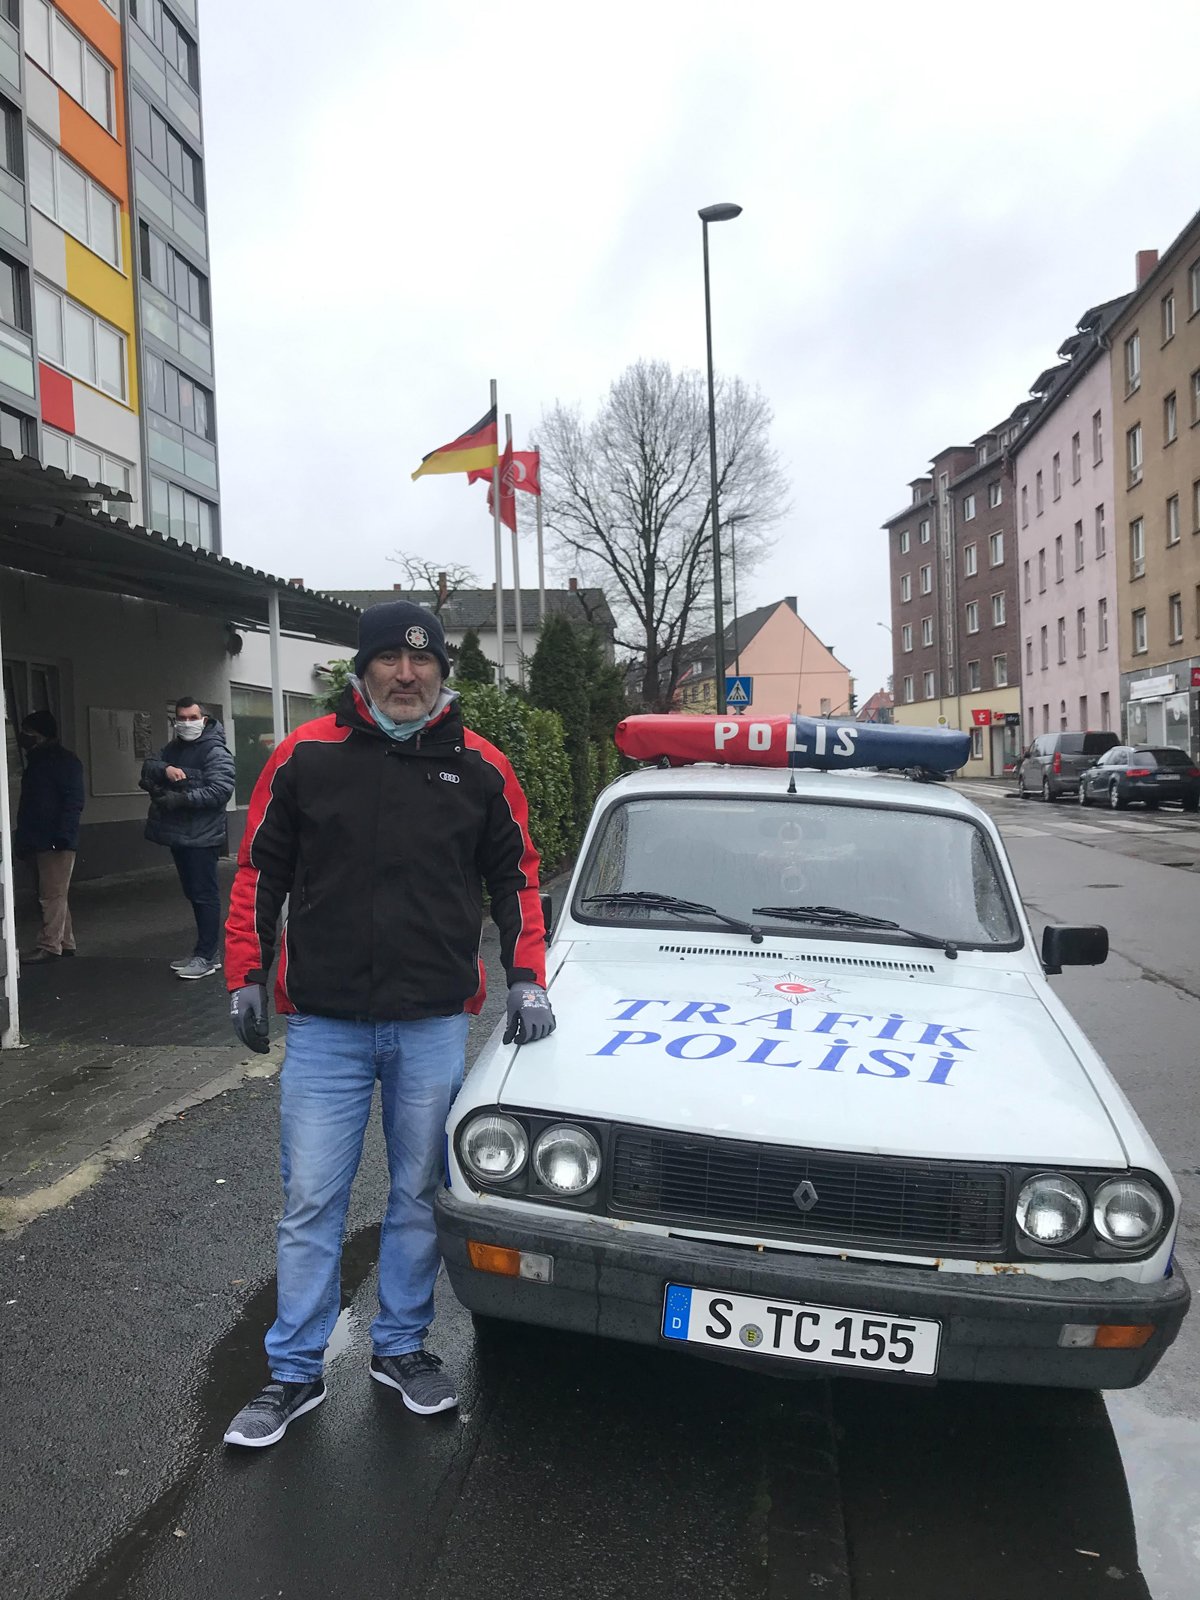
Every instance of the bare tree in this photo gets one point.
(443, 583)
(627, 494)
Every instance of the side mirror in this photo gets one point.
(1073, 947)
(548, 913)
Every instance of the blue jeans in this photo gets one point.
(196, 865)
(328, 1080)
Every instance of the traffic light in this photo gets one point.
(853, 702)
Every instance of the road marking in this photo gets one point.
(1018, 830)
(1078, 827)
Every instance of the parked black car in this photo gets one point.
(1053, 763)
(1155, 775)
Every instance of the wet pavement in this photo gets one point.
(577, 1465)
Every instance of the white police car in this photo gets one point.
(811, 1099)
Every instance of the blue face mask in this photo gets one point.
(398, 730)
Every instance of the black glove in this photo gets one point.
(169, 799)
(248, 1011)
(529, 1015)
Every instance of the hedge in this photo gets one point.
(533, 741)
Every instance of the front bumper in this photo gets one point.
(997, 1326)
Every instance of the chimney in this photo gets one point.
(1147, 260)
(573, 584)
(442, 589)
(295, 583)
(397, 588)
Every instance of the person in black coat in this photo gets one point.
(189, 785)
(47, 830)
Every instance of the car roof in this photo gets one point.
(853, 788)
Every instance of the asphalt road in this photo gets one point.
(132, 1325)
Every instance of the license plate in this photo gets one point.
(827, 1335)
(1168, 777)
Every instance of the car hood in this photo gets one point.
(938, 1061)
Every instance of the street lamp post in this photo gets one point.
(731, 523)
(724, 212)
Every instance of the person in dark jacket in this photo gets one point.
(380, 825)
(47, 830)
(189, 785)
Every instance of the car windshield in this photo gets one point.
(922, 869)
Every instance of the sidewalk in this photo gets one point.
(114, 1042)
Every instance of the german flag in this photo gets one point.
(471, 451)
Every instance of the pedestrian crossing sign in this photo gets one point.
(739, 692)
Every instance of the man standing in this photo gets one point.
(48, 816)
(189, 786)
(378, 824)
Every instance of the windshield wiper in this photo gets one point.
(651, 900)
(839, 917)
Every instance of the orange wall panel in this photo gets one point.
(95, 150)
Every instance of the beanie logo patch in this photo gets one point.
(416, 637)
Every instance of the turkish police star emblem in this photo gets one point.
(416, 637)
(793, 987)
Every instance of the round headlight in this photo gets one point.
(1127, 1212)
(1051, 1209)
(566, 1159)
(493, 1147)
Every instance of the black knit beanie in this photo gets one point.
(41, 722)
(396, 624)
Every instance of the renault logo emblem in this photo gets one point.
(805, 1196)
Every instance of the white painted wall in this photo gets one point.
(297, 658)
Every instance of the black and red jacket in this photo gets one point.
(382, 848)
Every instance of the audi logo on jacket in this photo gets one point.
(382, 850)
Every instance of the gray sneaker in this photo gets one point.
(265, 1420)
(419, 1378)
(183, 961)
(197, 967)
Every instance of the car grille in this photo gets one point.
(935, 1207)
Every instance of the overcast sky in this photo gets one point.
(407, 200)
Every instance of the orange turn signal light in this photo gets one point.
(494, 1258)
(1118, 1336)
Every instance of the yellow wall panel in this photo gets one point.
(107, 292)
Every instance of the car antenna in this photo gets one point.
(791, 788)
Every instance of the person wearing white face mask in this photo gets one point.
(190, 784)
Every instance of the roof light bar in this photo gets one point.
(818, 743)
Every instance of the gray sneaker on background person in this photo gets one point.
(196, 967)
(265, 1420)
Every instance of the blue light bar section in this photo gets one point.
(815, 742)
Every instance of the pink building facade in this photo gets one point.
(791, 669)
(1066, 542)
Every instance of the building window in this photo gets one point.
(1139, 633)
(1175, 619)
(1056, 476)
(972, 616)
(1196, 506)
(1058, 558)
(996, 491)
(1027, 580)
(16, 349)
(177, 278)
(180, 398)
(1170, 419)
(1042, 570)
(970, 560)
(927, 685)
(1105, 721)
(924, 532)
(65, 194)
(908, 691)
(927, 631)
(1194, 287)
(976, 744)
(1000, 672)
(17, 433)
(906, 586)
(1196, 397)
(1044, 641)
(10, 141)
(1097, 438)
(1029, 658)
(996, 549)
(997, 610)
(1076, 459)
(70, 60)
(1102, 625)
(1062, 640)
(164, 149)
(906, 637)
(1173, 520)
(974, 677)
(1083, 711)
(79, 459)
(1137, 548)
(75, 339)
(1133, 363)
(14, 295)
(926, 580)
(179, 48)
(1101, 535)
(1133, 454)
(1078, 546)
(1168, 317)
(1039, 493)
(182, 515)
(904, 541)
(1024, 505)
(969, 508)
(1081, 632)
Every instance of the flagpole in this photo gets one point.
(516, 562)
(499, 562)
(541, 551)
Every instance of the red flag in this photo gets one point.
(508, 498)
(526, 471)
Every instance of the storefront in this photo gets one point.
(1161, 708)
(992, 718)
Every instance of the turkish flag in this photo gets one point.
(526, 467)
(508, 498)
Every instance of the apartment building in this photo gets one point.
(1063, 471)
(1156, 409)
(955, 609)
(106, 366)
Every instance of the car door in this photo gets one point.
(1112, 766)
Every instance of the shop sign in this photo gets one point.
(1153, 688)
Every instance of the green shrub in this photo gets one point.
(532, 740)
